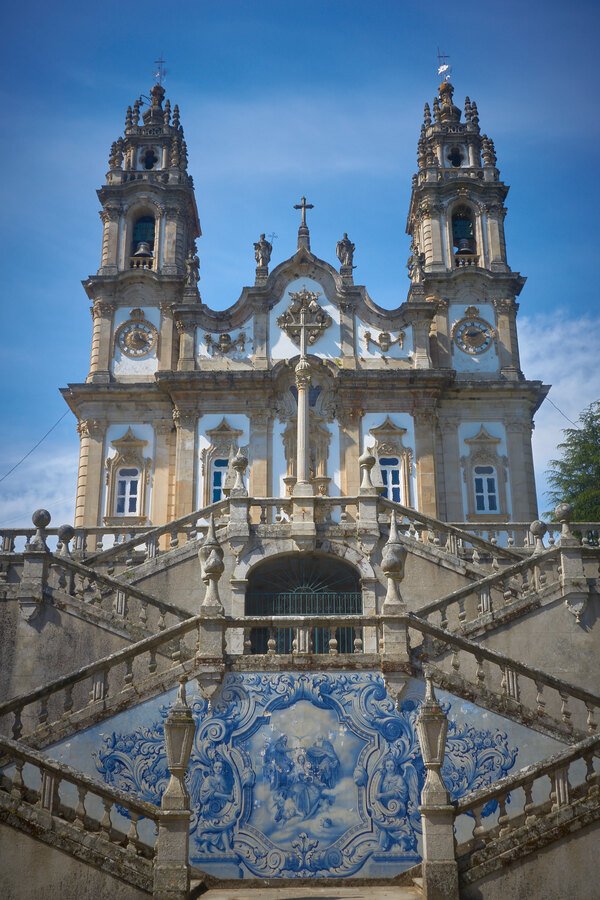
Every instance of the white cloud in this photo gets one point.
(563, 352)
(46, 480)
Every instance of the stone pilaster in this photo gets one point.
(421, 328)
(110, 216)
(347, 326)
(495, 237)
(452, 479)
(163, 432)
(508, 348)
(520, 469)
(89, 476)
(166, 359)
(261, 439)
(350, 450)
(173, 224)
(101, 355)
(186, 421)
(425, 422)
(186, 327)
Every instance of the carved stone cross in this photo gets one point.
(303, 205)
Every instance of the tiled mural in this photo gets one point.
(301, 774)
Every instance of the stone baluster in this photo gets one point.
(572, 578)
(395, 642)
(439, 869)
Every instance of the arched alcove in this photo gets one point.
(303, 585)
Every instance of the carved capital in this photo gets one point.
(91, 428)
(425, 415)
(102, 309)
(505, 304)
(110, 214)
(185, 418)
(261, 418)
(185, 323)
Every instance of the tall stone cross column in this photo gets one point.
(303, 487)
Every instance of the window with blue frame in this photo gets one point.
(486, 489)
(219, 471)
(128, 492)
(390, 477)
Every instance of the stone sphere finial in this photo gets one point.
(538, 529)
(65, 533)
(564, 512)
(41, 518)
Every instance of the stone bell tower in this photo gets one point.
(143, 298)
(456, 222)
(150, 224)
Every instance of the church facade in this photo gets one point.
(306, 626)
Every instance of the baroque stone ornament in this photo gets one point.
(224, 343)
(384, 341)
(136, 337)
(317, 320)
(296, 775)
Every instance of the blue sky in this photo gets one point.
(280, 99)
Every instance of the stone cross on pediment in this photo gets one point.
(304, 320)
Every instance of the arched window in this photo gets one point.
(303, 585)
(463, 231)
(390, 477)
(143, 233)
(128, 492)
(217, 479)
(486, 489)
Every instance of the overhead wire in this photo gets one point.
(35, 446)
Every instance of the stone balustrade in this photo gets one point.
(53, 791)
(120, 602)
(502, 684)
(517, 536)
(513, 589)
(545, 794)
(102, 687)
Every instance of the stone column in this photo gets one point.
(425, 421)
(508, 348)
(433, 237)
(185, 460)
(303, 487)
(90, 479)
(439, 868)
(163, 429)
(186, 327)
(261, 424)
(101, 356)
(110, 216)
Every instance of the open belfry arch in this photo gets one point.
(307, 625)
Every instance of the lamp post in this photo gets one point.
(440, 872)
(171, 865)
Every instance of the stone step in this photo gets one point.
(326, 892)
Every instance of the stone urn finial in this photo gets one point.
(366, 463)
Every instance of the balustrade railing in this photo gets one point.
(79, 800)
(503, 684)
(517, 536)
(466, 260)
(105, 684)
(493, 595)
(455, 539)
(120, 601)
(527, 796)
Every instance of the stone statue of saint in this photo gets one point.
(415, 264)
(262, 251)
(345, 251)
(192, 269)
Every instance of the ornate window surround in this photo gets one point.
(224, 444)
(129, 454)
(483, 451)
(389, 441)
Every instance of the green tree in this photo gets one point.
(575, 477)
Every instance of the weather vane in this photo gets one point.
(444, 67)
(160, 72)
